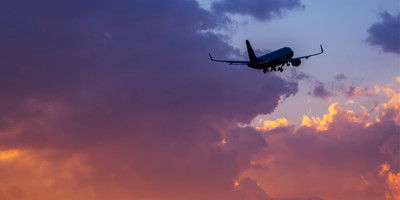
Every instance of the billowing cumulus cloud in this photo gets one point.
(120, 101)
(267, 125)
(392, 180)
(259, 9)
(386, 34)
(344, 155)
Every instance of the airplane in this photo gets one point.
(283, 56)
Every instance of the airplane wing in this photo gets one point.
(232, 62)
(306, 57)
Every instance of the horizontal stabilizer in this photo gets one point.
(232, 62)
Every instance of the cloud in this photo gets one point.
(320, 91)
(341, 86)
(259, 9)
(268, 125)
(119, 101)
(297, 75)
(249, 190)
(340, 156)
(340, 77)
(392, 181)
(355, 91)
(386, 34)
(393, 105)
(334, 110)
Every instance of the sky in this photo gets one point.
(119, 100)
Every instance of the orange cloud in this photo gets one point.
(8, 154)
(384, 168)
(334, 109)
(270, 125)
(321, 125)
(394, 105)
(392, 182)
(39, 175)
(342, 162)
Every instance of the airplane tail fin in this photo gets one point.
(252, 55)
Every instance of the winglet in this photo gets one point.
(211, 56)
(322, 50)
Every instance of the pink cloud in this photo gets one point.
(337, 157)
(138, 112)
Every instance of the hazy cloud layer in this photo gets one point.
(386, 34)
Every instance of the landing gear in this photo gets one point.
(281, 67)
(265, 71)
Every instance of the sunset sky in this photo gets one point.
(118, 99)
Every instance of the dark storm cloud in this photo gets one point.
(260, 9)
(128, 85)
(386, 34)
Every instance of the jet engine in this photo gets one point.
(296, 62)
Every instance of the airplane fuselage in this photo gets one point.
(274, 58)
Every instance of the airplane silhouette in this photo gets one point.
(283, 56)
